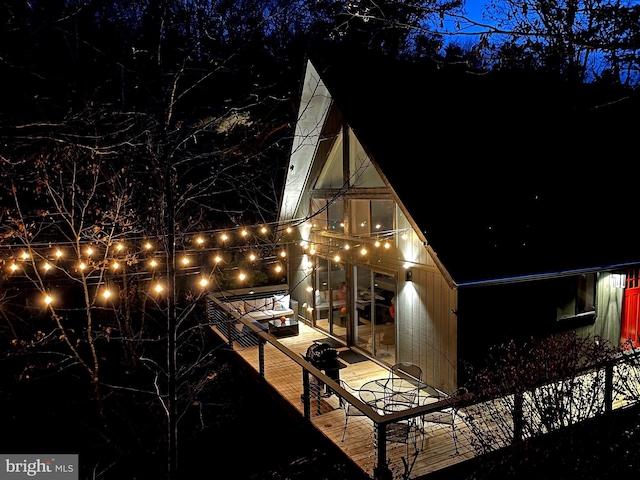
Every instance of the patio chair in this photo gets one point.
(403, 431)
(406, 370)
(349, 410)
(445, 417)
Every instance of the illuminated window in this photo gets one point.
(371, 216)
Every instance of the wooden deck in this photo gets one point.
(285, 376)
(438, 449)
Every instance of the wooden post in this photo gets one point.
(608, 387)
(517, 417)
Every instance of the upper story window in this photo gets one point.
(329, 214)
(371, 216)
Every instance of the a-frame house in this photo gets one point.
(439, 213)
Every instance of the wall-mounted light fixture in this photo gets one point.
(618, 280)
(409, 275)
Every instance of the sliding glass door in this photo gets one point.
(330, 310)
(374, 313)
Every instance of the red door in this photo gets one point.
(631, 309)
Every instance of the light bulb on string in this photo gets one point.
(106, 293)
(89, 251)
(158, 288)
(204, 282)
(336, 258)
(242, 276)
(185, 261)
(119, 247)
(148, 245)
(252, 257)
(14, 267)
(278, 268)
(217, 259)
(363, 251)
(58, 253)
(200, 241)
(115, 265)
(283, 253)
(153, 263)
(48, 299)
(82, 266)
(263, 230)
(244, 233)
(24, 256)
(47, 267)
(224, 237)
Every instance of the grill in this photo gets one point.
(324, 357)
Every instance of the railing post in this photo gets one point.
(305, 395)
(608, 387)
(381, 470)
(261, 342)
(517, 417)
(229, 320)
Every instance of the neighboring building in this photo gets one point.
(485, 216)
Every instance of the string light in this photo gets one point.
(120, 246)
(48, 299)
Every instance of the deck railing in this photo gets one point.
(614, 385)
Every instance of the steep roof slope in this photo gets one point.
(506, 174)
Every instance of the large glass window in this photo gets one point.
(371, 216)
(328, 215)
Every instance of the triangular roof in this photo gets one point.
(505, 175)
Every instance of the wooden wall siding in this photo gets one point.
(609, 302)
(427, 329)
